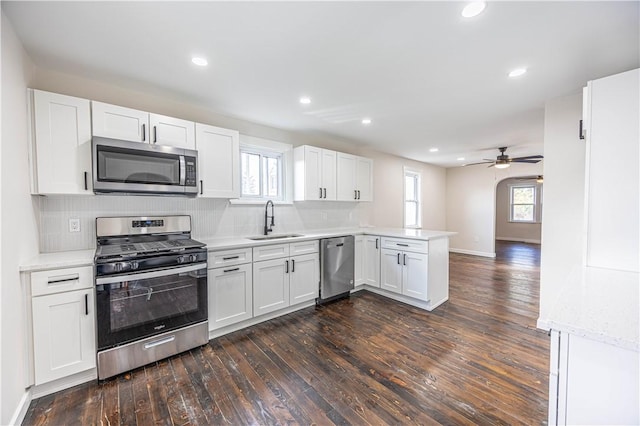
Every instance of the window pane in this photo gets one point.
(411, 213)
(523, 212)
(271, 177)
(410, 188)
(523, 195)
(250, 165)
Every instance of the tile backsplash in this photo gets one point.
(210, 218)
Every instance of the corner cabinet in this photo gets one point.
(354, 177)
(218, 161)
(60, 144)
(113, 121)
(63, 321)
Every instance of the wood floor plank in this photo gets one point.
(476, 359)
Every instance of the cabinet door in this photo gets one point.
(305, 278)
(359, 260)
(346, 177)
(371, 261)
(63, 334)
(309, 166)
(414, 275)
(230, 295)
(364, 179)
(391, 270)
(218, 161)
(61, 163)
(270, 286)
(328, 174)
(172, 131)
(112, 121)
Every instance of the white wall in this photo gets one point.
(471, 204)
(516, 231)
(563, 198)
(18, 226)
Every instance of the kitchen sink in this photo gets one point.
(274, 237)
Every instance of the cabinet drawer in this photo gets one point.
(303, 247)
(274, 251)
(61, 280)
(405, 244)
(222, 258)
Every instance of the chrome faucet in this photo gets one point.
(267, 228)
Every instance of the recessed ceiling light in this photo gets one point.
(366, 121)
(460, 158)
(433, 150)
(305, 100)
(473, 9)
(517, 72)
(202, 62)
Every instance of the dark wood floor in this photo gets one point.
(477, 359)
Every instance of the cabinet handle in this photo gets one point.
(402, 245)
(155, 134)
(404, 260)
(231, 270)
(63, 279)
(293, 265)
(320, 192)
(581, 134)
(144, 132)
(325, 193)
(231, 257)
(358, 194)
(355, 194)
(201, 186)
(398, 258)
(376, 244)
(86, 187)
(86, 304)
(286, 265)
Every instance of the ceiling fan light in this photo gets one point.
(500, 165)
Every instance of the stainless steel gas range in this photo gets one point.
(151, 291)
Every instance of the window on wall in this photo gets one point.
(522, 203)
(412, 199)
(265, 170)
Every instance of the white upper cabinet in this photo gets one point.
(354, 178)
(322, 174)
(60, 151)
(315, 173)
(116, 122)
(612, 172)
(218, 161)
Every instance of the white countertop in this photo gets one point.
(69, 259)
(599, 304)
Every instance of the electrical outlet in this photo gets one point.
(74, 225)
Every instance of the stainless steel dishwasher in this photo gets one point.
(337, 267)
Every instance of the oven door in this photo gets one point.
(134, 306)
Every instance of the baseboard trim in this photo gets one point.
(472, 252)
(21, 409)
(518, 240)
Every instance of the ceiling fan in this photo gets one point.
(538, 178)
(503, 161)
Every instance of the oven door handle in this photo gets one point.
(152, 274)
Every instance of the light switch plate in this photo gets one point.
(74, 225)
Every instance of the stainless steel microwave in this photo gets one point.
(138, 167)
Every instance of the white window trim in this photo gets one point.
(418, 174)
(536, 202)
(286, 150)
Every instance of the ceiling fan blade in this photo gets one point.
(516, 160)
(482, 162)
(528, 157)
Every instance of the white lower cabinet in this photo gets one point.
(371, 260)
(291, 276)
(63, 320)
(230, 282)
(359, 260)
(402, 271)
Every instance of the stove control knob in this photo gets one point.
(118, 267)
(180, 259)
(134, 265)
(193, 257)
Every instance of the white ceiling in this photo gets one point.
(425, 76)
